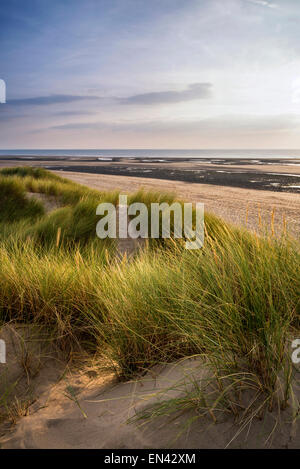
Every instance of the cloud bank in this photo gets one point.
(192, 92)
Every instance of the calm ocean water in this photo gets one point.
(259, 154)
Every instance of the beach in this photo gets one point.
(276, 175)
(247, 192)
(243, 207)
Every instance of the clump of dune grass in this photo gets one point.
(235, 303)
(13, 202)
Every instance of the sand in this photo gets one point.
(99, 418)
(49, 202)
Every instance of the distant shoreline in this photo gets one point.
(157, 159)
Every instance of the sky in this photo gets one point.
(167, 74)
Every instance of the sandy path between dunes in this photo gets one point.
(231, 203)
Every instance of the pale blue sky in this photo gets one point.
(150, 73)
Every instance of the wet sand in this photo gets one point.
(276, 175)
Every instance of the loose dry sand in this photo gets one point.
(32, 366)
(98, 418)
(49, 202)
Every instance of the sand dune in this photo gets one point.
(80, 412)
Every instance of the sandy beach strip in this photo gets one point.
(243, 207)
(218, 186)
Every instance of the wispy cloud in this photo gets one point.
(9, 116)
(52, 99)
(73, 113)
(220, 124)
(263, 3)
(194, 91)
